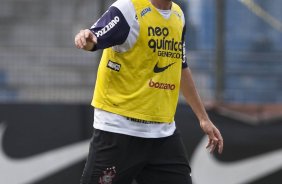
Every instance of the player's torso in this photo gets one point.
(143, 82)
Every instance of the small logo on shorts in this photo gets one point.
(113, 65)
(108, 175)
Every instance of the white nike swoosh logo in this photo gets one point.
(206, 169)
(34, 168)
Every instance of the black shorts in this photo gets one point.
(120, 159)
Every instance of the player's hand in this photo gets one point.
(215, 138)
(85, 39)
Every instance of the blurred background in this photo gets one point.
(234, 49)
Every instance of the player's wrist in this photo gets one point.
(89, 46)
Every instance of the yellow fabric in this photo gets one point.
(127, 84)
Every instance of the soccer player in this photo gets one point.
(141, 71)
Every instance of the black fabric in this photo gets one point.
(111, 29)
(119, 159)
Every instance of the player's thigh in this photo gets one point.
(165, 174)
(109, 160)
(168, 163)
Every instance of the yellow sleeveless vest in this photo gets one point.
(143, 82)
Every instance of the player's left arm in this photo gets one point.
(192, 97)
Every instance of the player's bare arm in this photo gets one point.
(85, 40)
(193, 99)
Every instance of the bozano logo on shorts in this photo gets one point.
(160, 85)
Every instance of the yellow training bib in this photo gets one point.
(144, 81)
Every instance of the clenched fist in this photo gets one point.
(85, 40)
